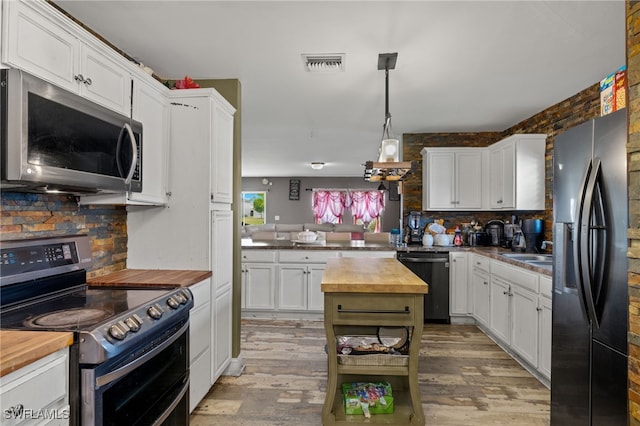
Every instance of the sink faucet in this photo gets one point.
(544, 244)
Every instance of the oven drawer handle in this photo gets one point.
(173, 405)
(374, 311)
(123, 371)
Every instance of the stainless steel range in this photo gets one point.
(129, 359)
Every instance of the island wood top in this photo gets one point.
(370, 275)
(20, 348)
(150, 278)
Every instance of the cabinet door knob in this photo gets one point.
(538, 309)
(87, 81)
(79, 78)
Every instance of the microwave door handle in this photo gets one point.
(134, 160)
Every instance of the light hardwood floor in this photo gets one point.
(465, 379)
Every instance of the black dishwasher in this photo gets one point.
(432, 268)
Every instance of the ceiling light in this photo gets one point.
(317, 165)
(323, 62)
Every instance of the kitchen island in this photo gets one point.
(361, 296)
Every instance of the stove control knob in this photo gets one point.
(185, 295)
(118, 332)
(133, 324)
(173, 302)
(180, 298)
(154, 312)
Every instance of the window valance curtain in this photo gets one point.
(329, 206)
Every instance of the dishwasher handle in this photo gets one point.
(424, 259)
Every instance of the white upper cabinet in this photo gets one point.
(42, 41)
(222, 152)
(151, 108)
(517, 172)
(452, 178)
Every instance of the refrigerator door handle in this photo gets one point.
(588, 245)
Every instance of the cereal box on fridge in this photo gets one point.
(613, 91)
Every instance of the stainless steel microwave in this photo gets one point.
(53, 140)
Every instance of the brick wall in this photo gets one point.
(633, 150)
(25, 215)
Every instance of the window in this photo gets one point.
(254, 208)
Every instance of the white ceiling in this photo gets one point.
(462, 66)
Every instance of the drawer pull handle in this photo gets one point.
(374, 311)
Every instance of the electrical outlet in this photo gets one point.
(277, 218)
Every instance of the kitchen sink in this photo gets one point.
(528, 257)
(546, 264)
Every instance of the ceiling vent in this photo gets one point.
(323, 62)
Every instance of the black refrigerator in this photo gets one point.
(590, 299)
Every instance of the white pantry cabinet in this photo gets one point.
(42, 41)
(40, 387)
(191, 232)
(517, 172)
(221, 288)
(452, 178)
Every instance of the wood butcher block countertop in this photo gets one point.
(20, 348)
(370, 275)
(150, 278)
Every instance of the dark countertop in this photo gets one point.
(492, 252)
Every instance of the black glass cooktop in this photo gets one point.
(81, 310)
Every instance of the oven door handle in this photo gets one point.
(173, 405)
(123, 371)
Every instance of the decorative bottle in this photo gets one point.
(457, 239)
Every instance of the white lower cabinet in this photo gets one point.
(221, 328)
(40, 387)
(200, 365)
(299, 287)
(459, 303)
(500, 302)
(287, 282)
(524, 324)
(292, 287)
(480, 289)
(544, 327)
(259, 286)
(517, 311)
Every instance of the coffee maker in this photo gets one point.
(414, 228)
(533, 230)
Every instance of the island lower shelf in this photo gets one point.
(403, 411)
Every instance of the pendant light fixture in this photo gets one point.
(389, 146)
(388, 165)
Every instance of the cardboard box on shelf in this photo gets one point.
(367, 398)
